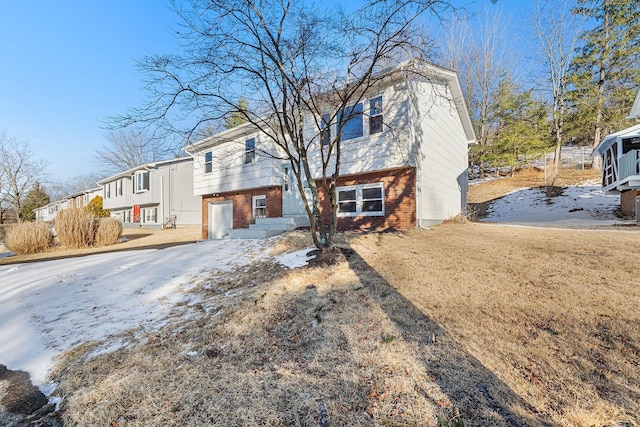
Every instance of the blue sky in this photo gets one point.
(67, 65)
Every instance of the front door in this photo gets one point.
(291, 201)
(220, 219)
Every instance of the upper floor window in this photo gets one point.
(351, 119)
(250, 150)
(325, 129)
(107, 191)
(119, 187)
(208, 162)
(141, 181)
(375, 115)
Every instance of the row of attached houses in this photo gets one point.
(150, 195)
(620, 152)
(80, 199)
(153, 194)
(404, 163)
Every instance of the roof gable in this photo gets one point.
(635, 109)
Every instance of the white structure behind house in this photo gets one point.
(620, 152)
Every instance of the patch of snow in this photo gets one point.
(49, 307)
(294, 259)
(578, 206)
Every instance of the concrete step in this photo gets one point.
(288, 222)
(267, 226)
(247, 233)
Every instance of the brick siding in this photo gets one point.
(399, 201)
(242, 206)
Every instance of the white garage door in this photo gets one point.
(220, 219)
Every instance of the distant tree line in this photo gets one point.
(587, 75)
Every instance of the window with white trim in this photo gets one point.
(126, 216)
(107, 191)
(250, 150)
(150, 215)
(325, 129)
(361, 200)
(141, 181)
(119, 187)
(351, 119)
(375, 115)
(259, 206)
(208, 162)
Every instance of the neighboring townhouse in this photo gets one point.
(153, 195)
(48, 212)
(404, 163)
(620, 152)
(82, 198)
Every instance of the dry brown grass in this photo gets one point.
(108, 231)
(28, 237)
(491, 325)
(549, 319)
(75, 228)
(134, 238)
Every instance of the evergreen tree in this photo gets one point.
(522, 128)
(36, 198)
(238, 117)
(604, 73)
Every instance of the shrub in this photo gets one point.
(108, 232)
(28, 238)
(75, 228)
(95, 207)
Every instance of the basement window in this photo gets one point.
(259, 206)
(361, 200)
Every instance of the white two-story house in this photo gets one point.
(404, 159)
(620, 152)
(153, 194)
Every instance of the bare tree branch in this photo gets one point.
(19, 172)
(291, 62)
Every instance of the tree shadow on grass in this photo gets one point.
(481, 397)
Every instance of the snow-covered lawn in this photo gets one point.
(578, 206)
(49, 307)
